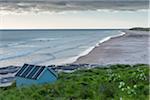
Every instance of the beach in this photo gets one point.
(131, 48)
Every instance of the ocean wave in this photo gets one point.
(15, 55)
(20, 53)
(27, 42)
(110, 37)
(44, 39)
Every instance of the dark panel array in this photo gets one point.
(30, 71)
(22, 69)
(26, 71)
(39, 72)
(33, 72)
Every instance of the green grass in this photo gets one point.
(119, 81)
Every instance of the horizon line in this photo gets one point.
(62, 28)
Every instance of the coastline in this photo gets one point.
(90, 49)
(52, 52)
(85, 53)
(110, 50)
(130, 47)
(71, 60)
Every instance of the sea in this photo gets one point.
(49, 46)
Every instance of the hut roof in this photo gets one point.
(32, 71)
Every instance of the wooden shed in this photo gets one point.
(34, 74)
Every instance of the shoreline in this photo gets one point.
(123, 41)
(68, 60)
(71, 60)
(90, 49)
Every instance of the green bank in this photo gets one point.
(124, 82)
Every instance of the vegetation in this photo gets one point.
(114, 82)
(140, 29)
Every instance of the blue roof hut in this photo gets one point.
(34, 74)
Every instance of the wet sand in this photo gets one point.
(131, 48)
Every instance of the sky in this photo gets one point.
(70, 14)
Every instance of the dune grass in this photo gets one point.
(124, 82)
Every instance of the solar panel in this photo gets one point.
(22, 69)
(26, 71)
(33, 66)
(33, 72)
(38, 72)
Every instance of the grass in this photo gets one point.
(124, 82)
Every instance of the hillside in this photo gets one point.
(124, 82)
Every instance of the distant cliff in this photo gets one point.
(140, 29)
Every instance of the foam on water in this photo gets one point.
(45, 39)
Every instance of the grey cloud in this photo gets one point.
(72, 5)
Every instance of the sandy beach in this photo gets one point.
(131, 48)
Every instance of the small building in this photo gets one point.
(34, 74)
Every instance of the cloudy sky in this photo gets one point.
(20, 14)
